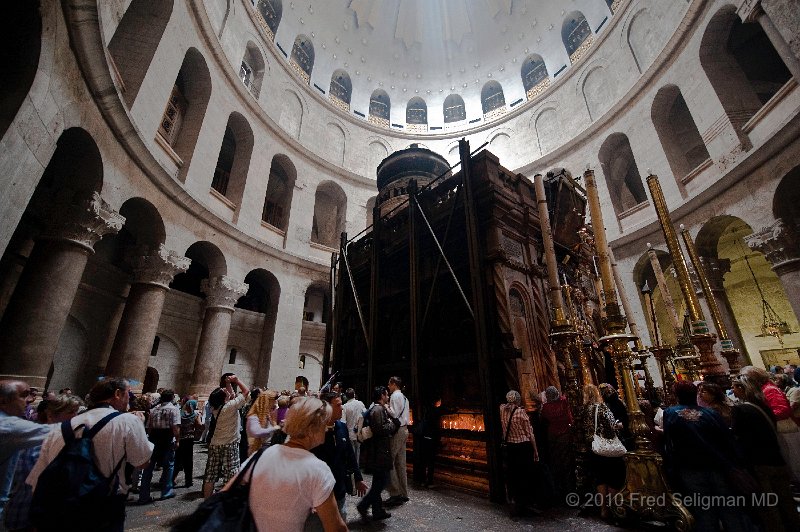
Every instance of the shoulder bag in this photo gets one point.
(608, 447)
(227, 510)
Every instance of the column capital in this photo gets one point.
(716, 269)
(222, 291)
(778, 243)
(158, 267)
(84, 222)
(749, 10)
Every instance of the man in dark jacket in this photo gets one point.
(382, 429)
(338, 453)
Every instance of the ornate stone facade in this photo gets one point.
(83, 223)
(159, 267)
(223, 291)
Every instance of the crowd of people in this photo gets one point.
(306, 449)
(720, 447)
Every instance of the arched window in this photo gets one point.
(269, 12)
(330, 206)
(622, 176)
(492, 100)
(340, 90)
(379, 108)
(576, 35)
(135, 41)
(417, 115)
(453, 108)
(251, 71)
(534, 76)
(186, 108)
(302, 58)
(741, 64)
(280, 187)
(233, 161)
(677, 132)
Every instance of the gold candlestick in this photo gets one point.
(700, 335)
(562, 331)
(728, 351)
(644, 467)
(625, 303)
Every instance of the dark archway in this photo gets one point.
(20, 47)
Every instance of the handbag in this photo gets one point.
(227, 510)
(608, 447)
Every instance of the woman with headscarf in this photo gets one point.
(190, 420)
(261, 422)
(557, 417)
(296, 480)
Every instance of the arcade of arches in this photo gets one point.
(176, 175)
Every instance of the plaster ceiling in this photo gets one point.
(432, 48)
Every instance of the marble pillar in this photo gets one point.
(221, 295)
(780, 245)
(715, 272)
(38, 308)
(133, 342)
(752, 11)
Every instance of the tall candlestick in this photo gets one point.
(692, 304)
(549, 250)
(625, 303)
(669, 303)
(644, 472)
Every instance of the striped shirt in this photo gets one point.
(164, 416)
(520, 430)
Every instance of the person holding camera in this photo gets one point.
(223, 449)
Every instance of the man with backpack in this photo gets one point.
(78, 482)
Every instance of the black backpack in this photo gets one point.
(72, 493)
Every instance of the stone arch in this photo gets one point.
(75, 168)
(638, 36)
(453, 109)
(186, 108)
(500, 144)
(292, 114)
(786, 204)
(492, 97)
(370, 208)
(417, 111)
(271, 12)
(280, 189)
(263, 297)
(538, 364)
(335, 142)
(207, 262)
(142, 233)
(677, 131)
(380, 105)
(167, 362)
(749, 282)
(547, 129)
(576, 35)
(135, 41)
(623, 180)
(233, 162)
(597, 92)
(341, 87)
(330, 209)
(377, 152)
(302, 57)
(21, 42)
(317, 302)
(251, 71)
(743, 67)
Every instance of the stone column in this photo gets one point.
(781, 247)
(715, 272)
(752, 11)
(221, 295)
(137, 328)
(38, 309)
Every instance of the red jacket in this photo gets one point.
(557, 416)
(777, 401)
